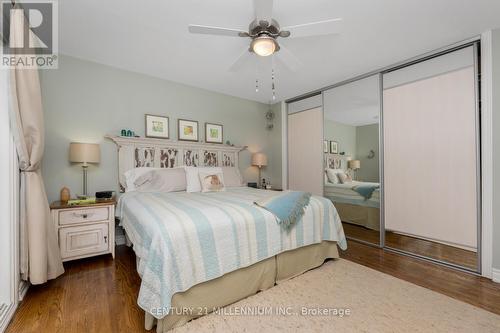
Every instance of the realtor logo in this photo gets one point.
(29, 33)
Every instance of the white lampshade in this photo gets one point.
(354, 164)
(84, 153)
(259, 159)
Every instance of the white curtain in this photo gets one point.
(40, 258)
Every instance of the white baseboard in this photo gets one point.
(120, 240)
(23, 289)
(6, 314)
(495, 275)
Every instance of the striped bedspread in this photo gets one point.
(183, 239)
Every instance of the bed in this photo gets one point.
(344, 193)
(197, 252)
(353, 207)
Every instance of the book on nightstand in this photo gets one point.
(76, 202)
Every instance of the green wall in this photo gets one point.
(367, 138)
(357, 141)
(275, 149)
(345, 135)
(84, 101)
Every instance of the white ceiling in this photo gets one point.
(151, 37)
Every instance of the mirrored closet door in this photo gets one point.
(351, 156)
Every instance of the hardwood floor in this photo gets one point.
(99, 294)
(451, 254)
(94, 295)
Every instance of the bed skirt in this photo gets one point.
(244, 282)
(368, 217)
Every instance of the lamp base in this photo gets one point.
(82, 196)
(260, 180)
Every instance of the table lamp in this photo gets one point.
(85, 153)
(259, 160)
(354, 165)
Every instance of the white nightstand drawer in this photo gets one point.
(74, 216)
(82, 240)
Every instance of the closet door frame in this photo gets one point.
(477, 83)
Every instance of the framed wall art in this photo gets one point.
(187, 130)
(157, 127)
(213, 133)
(334, 147)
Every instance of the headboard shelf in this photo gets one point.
(141, 141)
(160, 153)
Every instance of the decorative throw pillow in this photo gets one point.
(193, 179)
(344, 178)
(211, 181)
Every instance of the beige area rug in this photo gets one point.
(377, 303)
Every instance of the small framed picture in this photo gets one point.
(213, 133)
(157, 127)
(325, 146)
(334, 147)
(187, 130)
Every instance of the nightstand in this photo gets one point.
(84, 230)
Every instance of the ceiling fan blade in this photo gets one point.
(207, 30)
(263, 10)
(288, 59)
(328, 27)
(242, 60)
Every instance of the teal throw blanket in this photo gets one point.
(366, 190)
(288, 207)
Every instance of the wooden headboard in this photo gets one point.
(160, 153)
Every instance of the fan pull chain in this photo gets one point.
(256, 85)
(272, 84)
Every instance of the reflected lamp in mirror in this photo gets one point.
(84, 153)
(259, 160)
(354, 165)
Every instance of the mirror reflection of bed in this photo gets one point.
(351, 159)
(420, 218)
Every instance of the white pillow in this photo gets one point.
(344, 178)
(132, 175)
(232, 177)
(332, 175)
(193, 180)
(162, 180)
(211, 181)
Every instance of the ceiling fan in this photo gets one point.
(264, 32)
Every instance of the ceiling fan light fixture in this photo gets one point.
(264, 46)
